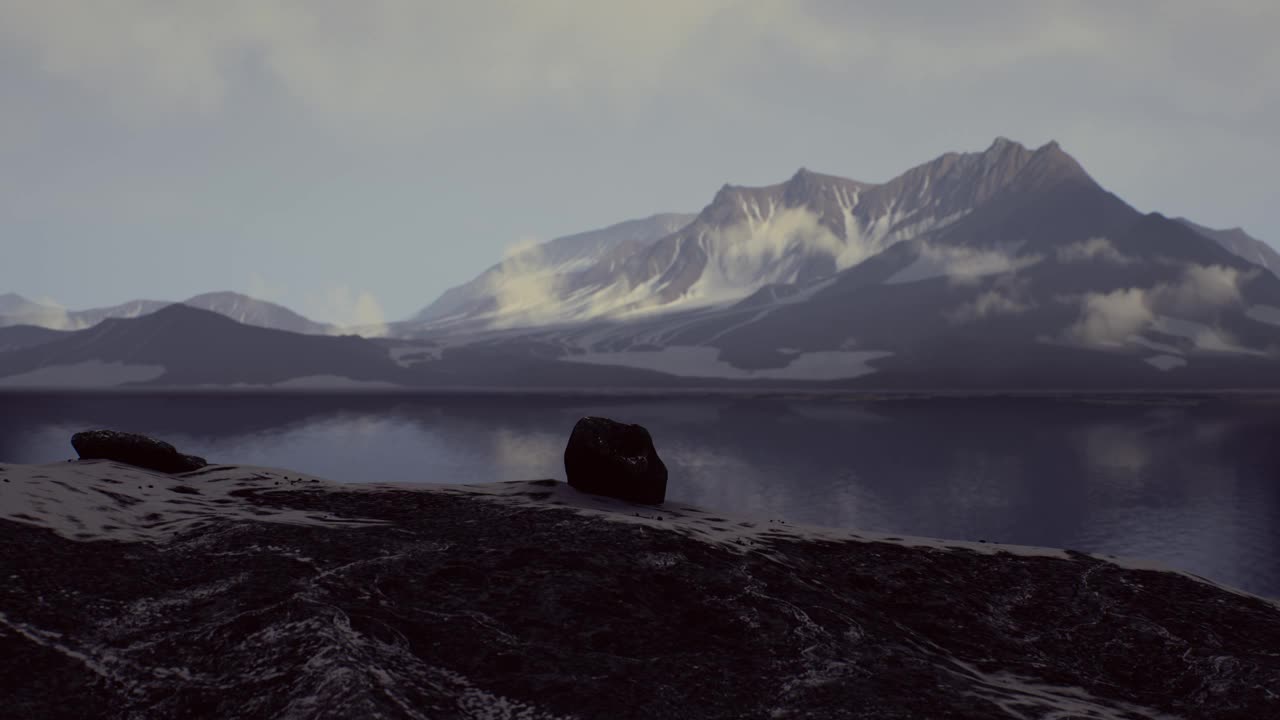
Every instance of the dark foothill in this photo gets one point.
(133, 449)
(606, 457)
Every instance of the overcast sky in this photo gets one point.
(351, 159)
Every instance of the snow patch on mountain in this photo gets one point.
(90, 374)
(1202, 336)
(1264, 313)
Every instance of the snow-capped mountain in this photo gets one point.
(749, 238)
(250, 311)
(16, 310)
(1007, 268)
(530, 279)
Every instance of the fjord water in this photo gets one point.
(1190, 482)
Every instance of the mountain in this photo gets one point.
(1241, 243)
(188, 347)
(515, 290)
(749, 238)
(13, 304)
(247, 310)
(16, 337)
(16, 310)
(184, 347)
(1010, 268)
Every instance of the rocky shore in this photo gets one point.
(244, 592)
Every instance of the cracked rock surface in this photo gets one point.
(238, 592)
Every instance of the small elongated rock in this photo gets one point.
(134, 449)
(606, 457)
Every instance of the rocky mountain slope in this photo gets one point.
(1241, 243)
(517, 290)
(1012, 267)
(807, 228)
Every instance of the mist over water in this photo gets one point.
(1193, 483)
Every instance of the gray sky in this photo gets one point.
(353, 159)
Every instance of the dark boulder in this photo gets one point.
(133, 449)
(605, 457)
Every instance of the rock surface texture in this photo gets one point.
(238, 592)
(134, 449)
(606, 457)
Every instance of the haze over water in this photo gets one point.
(1193, 483)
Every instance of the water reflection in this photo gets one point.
(1195, 484)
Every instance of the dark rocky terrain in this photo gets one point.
(238, 592)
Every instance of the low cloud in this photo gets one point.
(779, 243)
(42, 312)
(524, 286)
(1009, 296)
(743, 257)
(351, 311)
(1203, 286)
(1108, 319)
(262, 289)
(963, 265)
(1098, 248)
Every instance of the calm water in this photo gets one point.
(1194, 483)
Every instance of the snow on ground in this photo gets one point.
(1153, 345)
(1265, 313)
(705, 362)
(400, 353)
(103, 500)
(91, 373)
(1205, 338)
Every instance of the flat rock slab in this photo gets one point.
(508, 601)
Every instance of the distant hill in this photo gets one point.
(16, 337)
(17, 310)
(184, 346)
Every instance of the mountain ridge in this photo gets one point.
(17, 310)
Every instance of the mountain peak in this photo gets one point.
(1003, 144)
(1050, 165)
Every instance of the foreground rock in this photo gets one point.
(606, 457)
(134, 449)
(269, 594)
